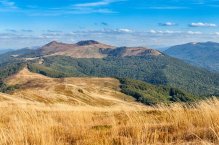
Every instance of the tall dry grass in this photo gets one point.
(176, 124)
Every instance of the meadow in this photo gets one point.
(174, 124)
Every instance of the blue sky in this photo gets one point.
(152, 23)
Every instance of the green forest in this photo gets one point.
(154, 94)
(162, 70)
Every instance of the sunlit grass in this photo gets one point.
(176, 124)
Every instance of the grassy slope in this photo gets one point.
(69, 91)
(155, 70)
(52, 119)
(38, 113)
(175, 124)
(42, 119)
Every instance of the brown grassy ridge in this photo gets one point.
(92, 111)
(36, 88)
(176, 124)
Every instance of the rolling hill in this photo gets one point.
(37, 109)
(60, 111)
(94, 59)
(93, 49)
(27, 87)
(82, 49)
(157, 70)
(37, 90)
(199, 54)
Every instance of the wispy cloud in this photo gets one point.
(26, 30)
(8, 4)
(201, 24)
(117, 37)
(125, 30)
(194, 32)
(164, 32)
(54, 31)
(167, 7)
(83, 8)
(167, 24)
(98, 3)
(68, 11)
(174, 32)
(11, 30)
(95, 7)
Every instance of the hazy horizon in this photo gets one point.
(154, 24)
(152, 47)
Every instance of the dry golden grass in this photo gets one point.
(72, 91)
(176, 124)
(92, 111)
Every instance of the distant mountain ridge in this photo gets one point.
(82, 49)
(93, 49)
(132, 51)
(93, 59)
(2, 51)
(203, 54)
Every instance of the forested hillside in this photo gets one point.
(204, 54)
(137, 63)
(9, 66)
(152, 69)
(152, 94)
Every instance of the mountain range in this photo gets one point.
(92, 49)
(2, 51)
(203, 54)
(94, 59)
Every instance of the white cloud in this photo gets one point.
(153, 31)
(98, 3)
(112, 31)
(201, 24)
(93, 7)
(174, 32)
(83, 8)
(168, 8)
(116, 37)
(194, 32)
(125, 30)
(94, 4)
(163, 32)
(69, 11)
(167, 24)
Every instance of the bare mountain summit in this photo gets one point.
(133, 51)
(82, 49)
(94, 49)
